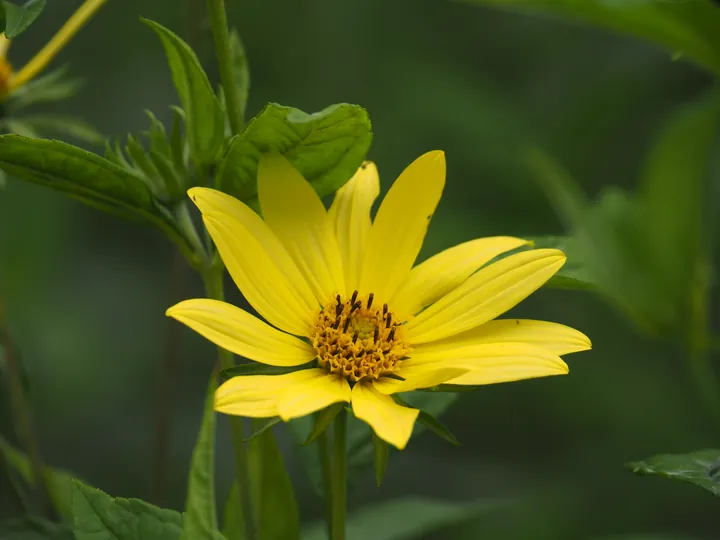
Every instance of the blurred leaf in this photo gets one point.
(34, 528)
(381, 453)
(326, 147)
(690, 29)
(204, 116)
(323, 420)
(437, 427)
(233, 524)
(55, 86)
(200, 519)
(260, 428)
(277, 514)
(19, 17)
(18, 126)
(64, 125)
(651, 536)
(403, 519)
(57, 482)
(98, 516)
(701, 468)
(88, 178)
(573, 274)
(241, 68)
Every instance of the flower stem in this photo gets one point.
(339, 476)
(323, 445)
(223, 50)
(213, 280)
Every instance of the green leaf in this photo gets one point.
(381, 453)
(200, 522)
(178, 146)
(204, 116)
(686, 29)
(58, 483)
(34, 528)
(241, 68)
(259, 430)
(64, 125)
(701, 468)
(19, 18)
(88, 178)
(98, 516)
(437, 427)
(233, 523)
(404, 519)
(573, 274)
(323, 420)
(277, 514)
(327, 147)
(55, 86)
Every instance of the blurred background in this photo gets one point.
(85, 293)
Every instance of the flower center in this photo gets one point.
(358, 340)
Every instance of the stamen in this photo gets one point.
(355, 306)
(357, 334)
(385, 309)
(376, 334)
(388, 320)
(391, 335)
(353, 297)
(347, 323)
(371, 297)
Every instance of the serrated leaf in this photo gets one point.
(58, 483)
(323, 420)
(204, 116)
(98, 516)
(200, 520)
(701, 468)
(686, 29)
(381, 453)
(19, 17)
(262, 428)
(327, 147)
(34, 528)
(88, 178)
(241, 68)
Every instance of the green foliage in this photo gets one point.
(233, 524)
(98, 516)
(326, 147)
(204, 116)
(33, 528)
(37, 126)
(50, 88)
(200, 521)
(437, 427)
(403, 519)
(58, 483)
(701, 468)
(241, 69)
(323, 420)
(687, 29)
(573, 274)
(381, 453)
(262, 427)
(17, 18)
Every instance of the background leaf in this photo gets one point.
(19, 17)
(689, 29)
(326, 147)
(34, 528)
(49, 88)
(699, 468)
(241, 68)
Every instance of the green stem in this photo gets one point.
(223, 50)
(213, 280)
(339, 476)
(323, 444)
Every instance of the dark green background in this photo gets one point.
(86, 293)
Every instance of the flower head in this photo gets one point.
(343, 299)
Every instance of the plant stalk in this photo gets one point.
(223, 51)
(323, 445)
(339, 476)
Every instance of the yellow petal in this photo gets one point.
(489, 292)
(350, 215)
(241, 333)
(256, 396)
(313, 395)
(490, 363)
(390, 421)
(421, 376)
(556, 338)
(445, 271)
(294, 212)
(400, 225)
(257, 262)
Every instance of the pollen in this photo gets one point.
(358, 339)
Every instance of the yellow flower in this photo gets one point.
(369, 324)
(10, 81)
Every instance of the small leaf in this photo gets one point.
(380, 458)
(55, 86)
(19, 18)
(327, 147)
(437, 427)
(205, 120)
(324, 418)
(66, 126)
(701, 468)
(241, 68)
(97, 515)
(263, 428)
(200, 520)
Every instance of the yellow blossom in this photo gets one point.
(343, 298)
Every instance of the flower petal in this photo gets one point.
(294, 212)
(489, 292)
(390, 421)
(312, 395)
(400, 225)
(490, 363)
(256, 396)
(421, 376)
(556, 338)
(240, 332)
(350, 214)
(257, 261)
(445, 271)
